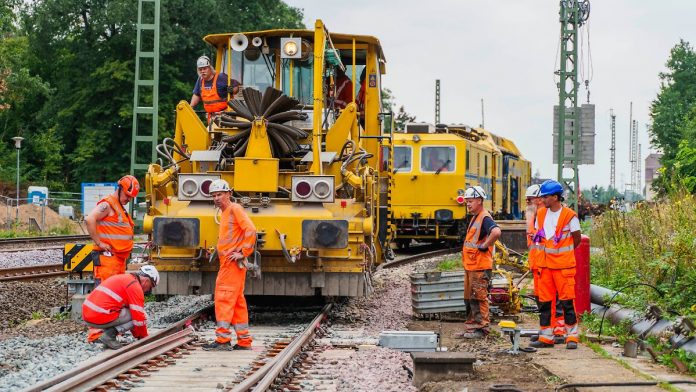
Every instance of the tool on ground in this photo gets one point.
(509, 327)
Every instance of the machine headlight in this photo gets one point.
(290, 48)
(189, 187)
(322, 189)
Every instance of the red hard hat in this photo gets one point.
(130, 185)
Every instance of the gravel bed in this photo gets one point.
(389, 306)
(27, 258)
(23, 300)
(25, 362)
(161, 314)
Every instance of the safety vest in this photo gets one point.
(475, 260)
(344, 92)
(536, 248)
(237, 234)
(559, 250)
(103, 305)
(116, 230)
(212, 101)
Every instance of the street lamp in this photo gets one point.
(18, 145)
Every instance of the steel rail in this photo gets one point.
(262, 379)
(94, 376)
(56, 238)
(420, 256)
(117, 354)
(31, 272)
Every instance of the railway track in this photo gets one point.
(39, 243)
(172, 360)
(32, 272)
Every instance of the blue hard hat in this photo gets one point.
(550, 187)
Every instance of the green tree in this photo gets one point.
(673, 114)
(74, 71)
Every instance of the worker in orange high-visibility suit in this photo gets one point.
(118, 305)
(111, 229)
(236, 241)
(478, 264)
(559, 232)
(211, 88)
(536, 260)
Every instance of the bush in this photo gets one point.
(653, 244)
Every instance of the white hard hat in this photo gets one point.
(219, 185)
(473, 192)
(151, 272)
(203, 61)
(533, 190)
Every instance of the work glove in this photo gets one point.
(483, 249)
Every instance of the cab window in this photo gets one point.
(437, 159)
(302, 79)
(402, 159)
(252, 68)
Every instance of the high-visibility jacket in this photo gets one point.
(473, 259)
(213, 102)
(237, 234)
(536, 248)
(105, 302)
(360, 99)
(344, 92)
(559, 250)
(116, 230)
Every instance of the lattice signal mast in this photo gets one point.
(437, 101)
(612, 174)
(573, 14)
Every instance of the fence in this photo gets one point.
(13, 213)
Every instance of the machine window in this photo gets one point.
(437, 159)
(402, 159)
(485, 165)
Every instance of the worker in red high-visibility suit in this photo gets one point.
(118, 305)
(236, 241)
(536, 260)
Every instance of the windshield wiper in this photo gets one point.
(444, 165)
(404, 163)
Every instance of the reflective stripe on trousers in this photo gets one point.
(572, 333)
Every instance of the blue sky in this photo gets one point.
(505, 52)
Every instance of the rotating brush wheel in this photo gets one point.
(272, 106)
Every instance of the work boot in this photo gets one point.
(534, 338)
(559, 339)
(475, 334)
(216, 346)
(571, 346)
(540, 344)
(238, 347)
(108, 338)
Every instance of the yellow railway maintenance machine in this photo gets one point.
(431, 168)
(303, 169)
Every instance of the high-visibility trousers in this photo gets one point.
(557, 283)
(231, 310)
(108, 267)
(557, 321)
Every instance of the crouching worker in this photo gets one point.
(117, 305)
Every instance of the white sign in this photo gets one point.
(93, 192)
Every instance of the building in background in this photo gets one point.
(652, 163)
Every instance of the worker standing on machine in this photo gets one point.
(211, 88)
(477, 258)
(558, 230)
(535, 260)
(236, 241)
(118, 305)
(111, 229)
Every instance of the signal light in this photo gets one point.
(460, 199)
(303, 189)
(205, 187)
